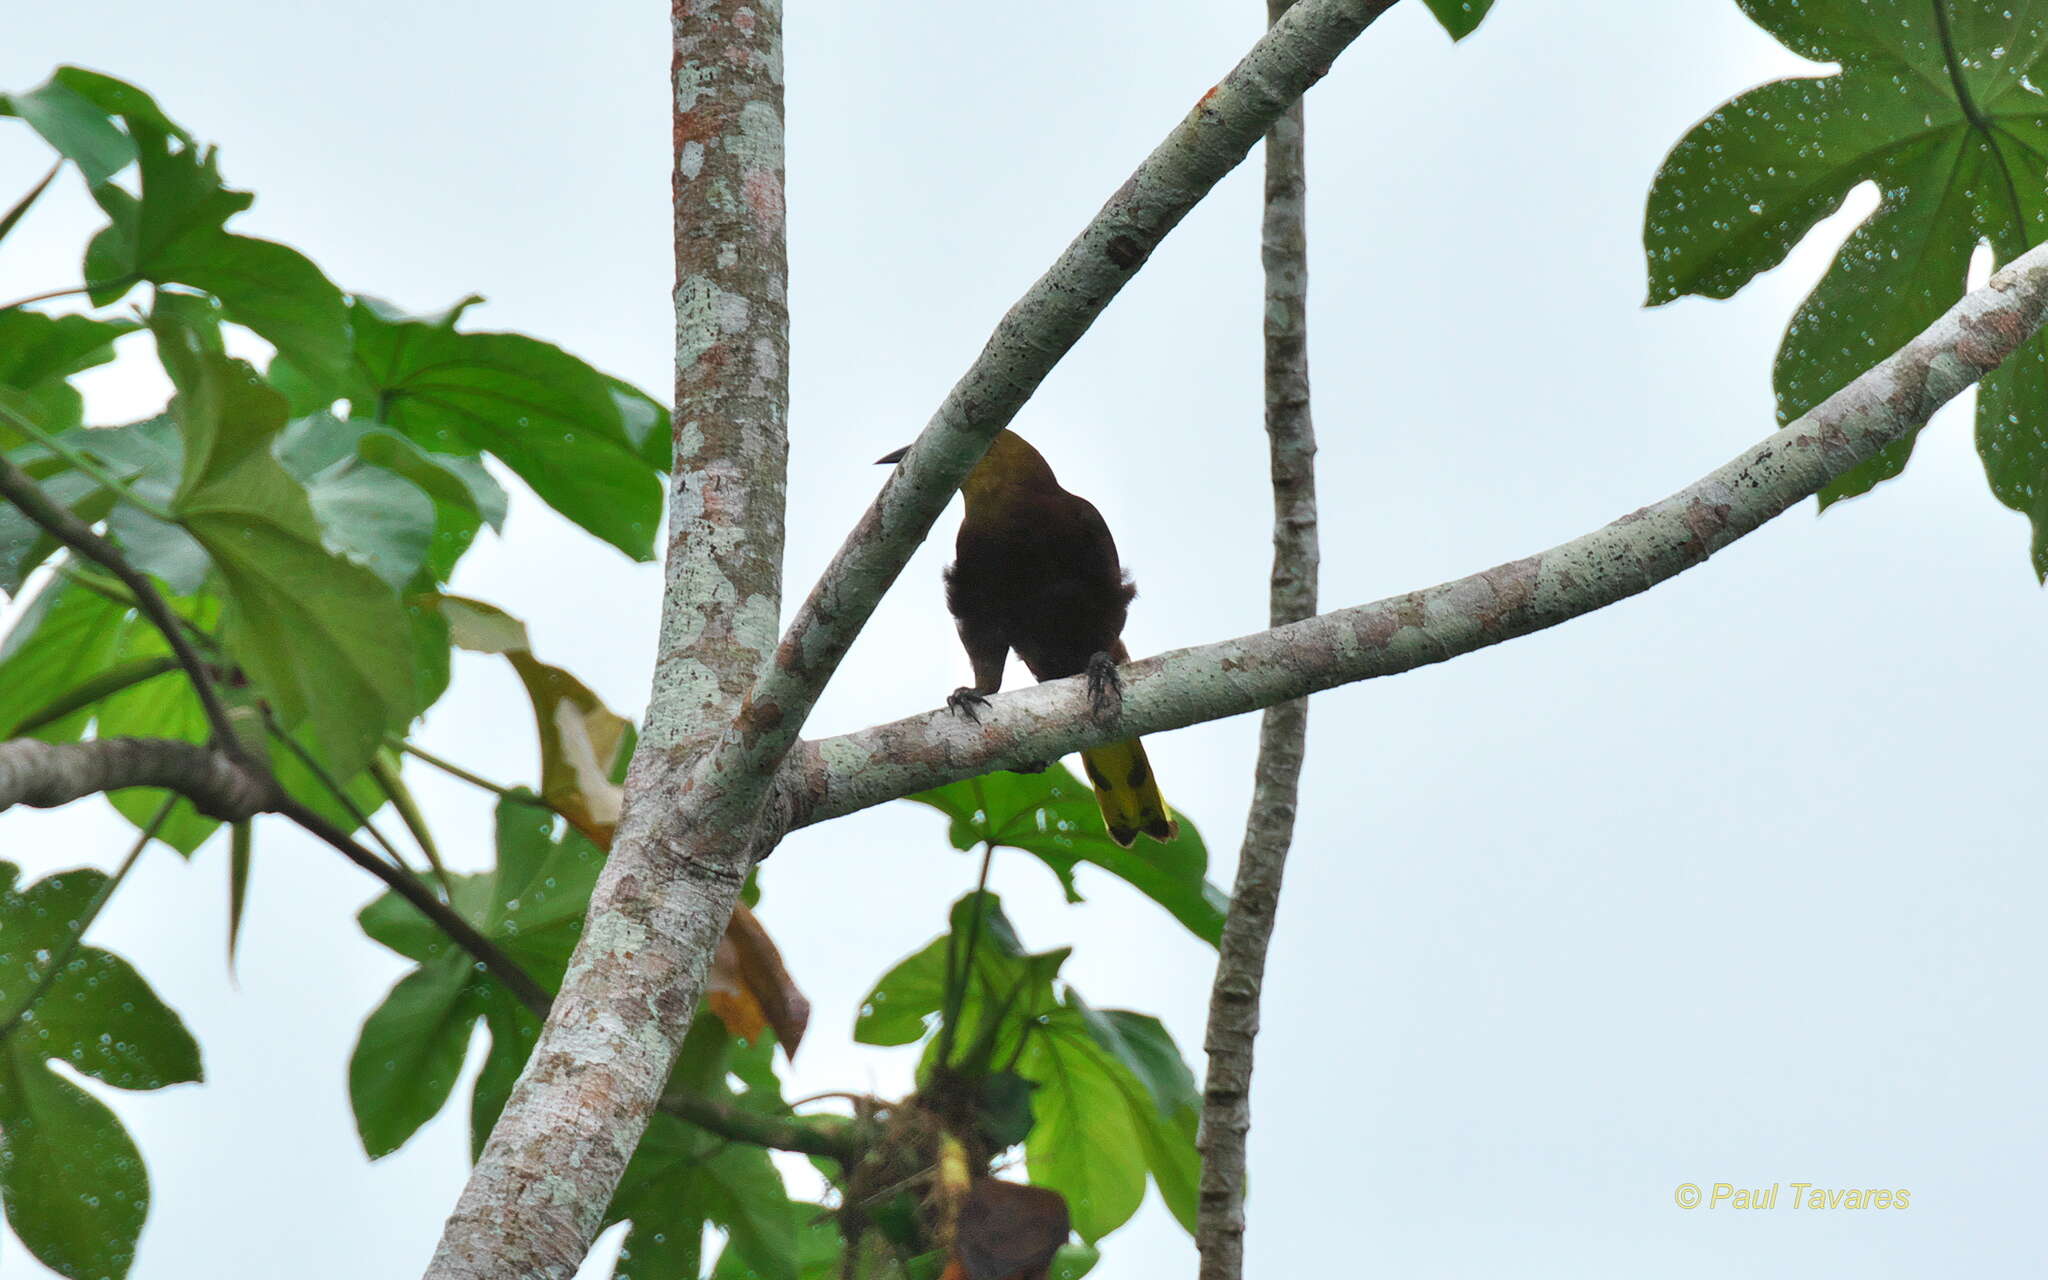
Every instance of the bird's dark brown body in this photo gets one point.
(1037, 571)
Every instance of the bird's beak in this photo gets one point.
(892, 457)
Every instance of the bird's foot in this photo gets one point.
(1031, 766)
(964, 701)
(1105, 687)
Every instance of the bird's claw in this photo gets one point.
(1031, 766)
(963, 701)
(1105, 687)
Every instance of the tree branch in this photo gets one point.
(45, 775)
(1038, 331)
(1283, 737)
(61, 524)
(836, 776)
(752, 1127)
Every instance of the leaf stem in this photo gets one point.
(454, 770)
(385, 771)
(956, 981)
(113, 680)
(20, 209)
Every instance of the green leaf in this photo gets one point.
(514, 1031)
(817, 1248)
(1935, 103)
(1073, 1261)
(551, 418)
(1054, 816)
(340, 459)
(1005, 982)
(1088, 1143)
(409, 1054)
(70, 1178)
(144, 456)
(1460, 17)
(80, 130)
(38, 353)
(1142, 1043)
(1166, 1108)
(64, 637)
(532, 906)
(680, 1178)
(337, 658)
(375, 518)
(173, 233)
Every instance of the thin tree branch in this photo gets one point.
(836, 776)
(1283, 736)
(45, 775)
(409, 887)
(1038, 331)
(61, 524)
(49, 774)
(752, 1127)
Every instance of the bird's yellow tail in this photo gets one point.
(1128, 793)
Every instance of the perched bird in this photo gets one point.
(1036, 571)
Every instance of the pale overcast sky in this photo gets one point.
(1736, 881)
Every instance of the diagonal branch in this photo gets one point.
(67, 528)
(1283, 736)
(1894, 399)
(1038, 331)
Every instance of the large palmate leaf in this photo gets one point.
(1054, 816)
(1937, 103)
(170, 229)
(71, 1179)
(324, 639)
(569, 431)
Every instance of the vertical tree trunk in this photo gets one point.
(540, 1189)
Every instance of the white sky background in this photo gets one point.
(1737, 881)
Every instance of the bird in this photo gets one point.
(1036, 570)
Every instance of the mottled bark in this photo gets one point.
(684, 842)
(1283, 733)
(835, 776)
(48, 774)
